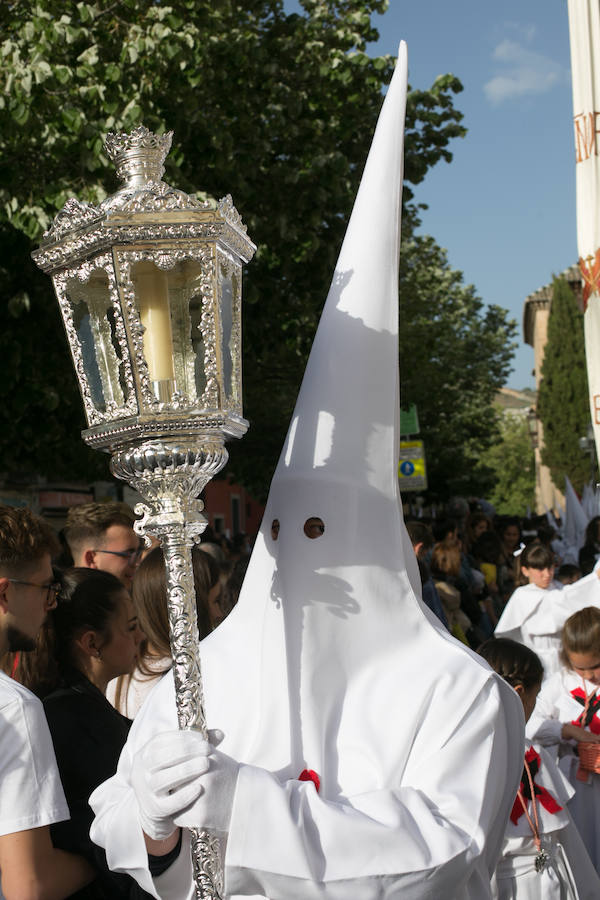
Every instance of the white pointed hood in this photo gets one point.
(317, 618)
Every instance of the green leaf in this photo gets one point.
(19, 304)
(20, 113)
(112, 72)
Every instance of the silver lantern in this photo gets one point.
(149, 285)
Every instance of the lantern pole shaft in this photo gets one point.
(169, 480)
(177, 546)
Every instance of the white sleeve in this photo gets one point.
(439, 829)
(32, 793)
(544, 725)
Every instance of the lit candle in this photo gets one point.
(153, 300)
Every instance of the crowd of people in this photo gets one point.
(86, 634)
(472, 563)
(499, 585)
(92, 640)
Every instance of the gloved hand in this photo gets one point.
(211, 809)
(166, 778)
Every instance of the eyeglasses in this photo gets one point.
(132, 556)
(52, 590)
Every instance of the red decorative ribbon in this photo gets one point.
(545, 797)
(310, 775)
(588, 718)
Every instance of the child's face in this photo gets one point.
(587, 665)
(542, 578)
(528, 697)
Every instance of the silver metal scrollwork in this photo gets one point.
(169, 478)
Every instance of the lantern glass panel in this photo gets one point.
(178, 326)
(197, 342)
(94, 323)
(229, 289)
(226, 331)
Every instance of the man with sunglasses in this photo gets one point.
(31, 795)
(101, 536)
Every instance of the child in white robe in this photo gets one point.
(536, 612)
(543, 856)
(567, 712)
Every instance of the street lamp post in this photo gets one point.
(149, 287)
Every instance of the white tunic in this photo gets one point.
(31, 794)
(535, 617)
(429, 822)
(561, 701)
(569, 874)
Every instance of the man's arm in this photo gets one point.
(32, 869)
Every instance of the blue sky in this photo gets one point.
(505, 207)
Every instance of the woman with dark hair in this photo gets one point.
(128, 692)
(91, 637)
(477, 524)
(509, 532)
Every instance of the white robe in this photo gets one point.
(330, 661)
(556, 706)
(428, 823)
(535, 617)
(569, 874)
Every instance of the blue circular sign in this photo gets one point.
(407, 468)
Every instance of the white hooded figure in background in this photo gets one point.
(329, 662)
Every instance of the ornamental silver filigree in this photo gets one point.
(139, 155)
(156, 197)
(74, 214)
(230, 214)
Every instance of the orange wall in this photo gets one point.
(222, 499)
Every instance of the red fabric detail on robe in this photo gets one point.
(544, 796)
(310, 775)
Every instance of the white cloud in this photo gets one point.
(523, 71)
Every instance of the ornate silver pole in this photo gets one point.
(149, 285)
(169, 478)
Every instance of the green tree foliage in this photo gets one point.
(276, 109)
(42, 412)
(455, 354)
(563, 405)
(511, 461)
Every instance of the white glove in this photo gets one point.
(211, 809)
(166, 779)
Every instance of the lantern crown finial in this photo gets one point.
(138, 156)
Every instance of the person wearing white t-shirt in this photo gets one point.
(31, 795)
